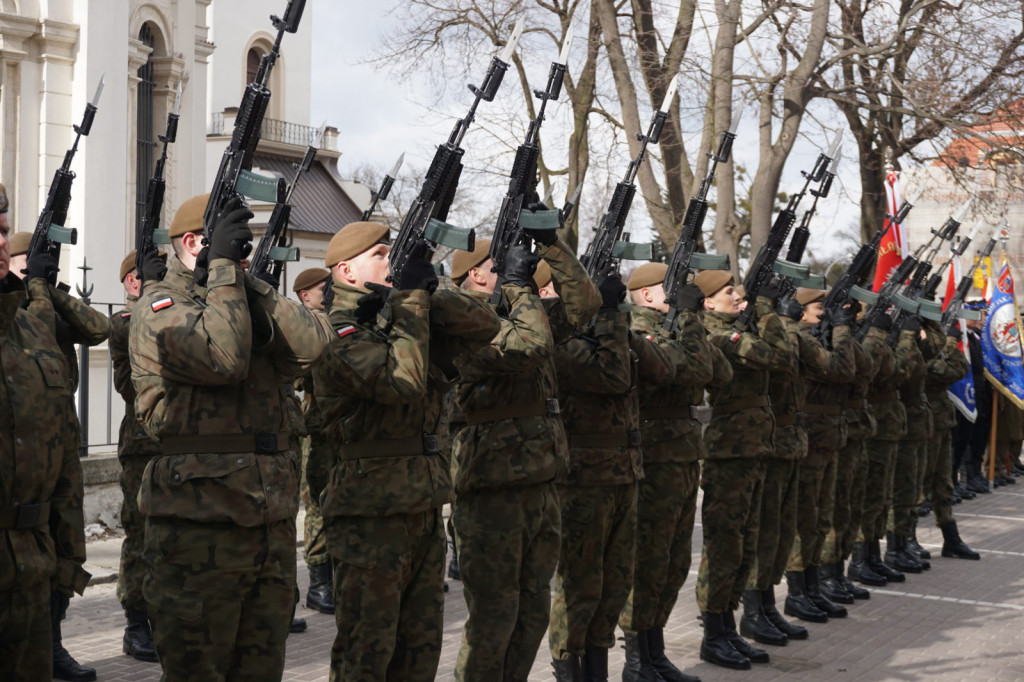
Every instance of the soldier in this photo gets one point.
(19, 243)
(41, 521)
(134, 451)
(672, 450)
(209, 365)
(380, 386)
(309, 288)
(738, 439)
(507, 456)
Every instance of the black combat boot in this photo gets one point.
(830, 587)
(755, 623)
(320, 596)
(568, 669)
(812, 586)
(915, 547)
(798, 604)
(855, 591)
(953, 546)
(298, 625)
(656, 649)
(861, 569)
(741, 645)
(64, 666)
(791, 630)
(638, 667)
(716, 648)
(874, 560)
(595, 664)
(138, 639)
(897, 556)
(453, 564)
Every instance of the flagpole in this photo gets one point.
(992, 439)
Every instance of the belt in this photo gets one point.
(426, 444)
(260, 442)
(742, 404)
(630, 439)
(823, 409)
(883, 396)
(682, 412)
(21, 516)
(785, 420)
(548, 406)
(855, 404)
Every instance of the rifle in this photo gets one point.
(145, 237)
(234, 181)
(763, 269)
(385, 188)
(566, 211)
(50, 231)
(684, 259)
(523, 180)
(954, 311)
(606, 249)
(273, 246)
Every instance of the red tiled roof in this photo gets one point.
(318, 203)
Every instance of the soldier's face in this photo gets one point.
(369, 266)
(812, 312)
(5, 248)
(725, 300)
(313, 298)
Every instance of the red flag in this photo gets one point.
(893, 247)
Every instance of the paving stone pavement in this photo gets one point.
(962, 620)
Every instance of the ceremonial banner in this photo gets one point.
(961, 394)
(893, 247)
(1001, 338)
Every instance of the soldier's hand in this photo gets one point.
(956, 333)
(881, 321)
(613, 292)
(370, 304)
(153, 267)
(232, 236)
(418, 272)
(844, 317)
(268, 277)
(42, 264)
(545, 237)
(520, 264)
(790, 308)
(689, 298)
(771, 291)
(910, 324)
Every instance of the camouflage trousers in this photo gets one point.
(778, 523)
(595, 566)
(730, 513)
(388, 596)
(221, 597)
(814, 507)
(881, 457)
(907, 478)
(938, 476)
(26, 642)
(666, 508)
(133, 568)
(850, 475)
(508, 540)
(314, 541)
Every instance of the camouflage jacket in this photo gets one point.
(945, 369)
(919, 415)
(787, 395)
(860, 422)
(826, 381)
(742, 424)
(210, 366)
(508, 389)
(38, 455)
(883, 397)
(670, 432)
(132, 438)
(597, 390)
(381, 399)
(72, 321)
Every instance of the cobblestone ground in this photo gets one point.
(962, 620)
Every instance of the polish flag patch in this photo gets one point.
(345, 331)
(735, 337)
(162, 304)
(650, 338)
(124, 315)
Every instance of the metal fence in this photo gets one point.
(100, 408)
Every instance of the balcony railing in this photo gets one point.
(284, 132)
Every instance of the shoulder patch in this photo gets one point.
(650, 338)
(346, 330)
(735, 337)
(161, 304)
(124, 315)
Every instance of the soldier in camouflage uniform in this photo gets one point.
(598, 374)
(672, 450)
(42, 539)
(508, 454)
(209, 365)
(134, 451)
(380, 385)
(738, 440)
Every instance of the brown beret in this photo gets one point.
(308, 279)
(647, 275)
(128, 265)
(543, 274)
(20, 242)
(353, 239)
(189, 217)
(805, 296)
(711, 281)
(463, 261)
(4, 203)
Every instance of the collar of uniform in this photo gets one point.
(646, 319)
(129, 303)
(346, 300)
(11, 300)
(714, 321)
(181, 278)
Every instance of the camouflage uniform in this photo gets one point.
(912, 453)
(672, 450)
(209, 366)
(738, 439)
(42, 543)
(71, 320)
(598, 374)
(506, 515)
(380, 395)
(946, 368)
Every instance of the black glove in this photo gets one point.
(545, 237)
(231, 235)
(370, 304)
(42, 264)
(770, 291)
(689, 298)
(418, 272)
(613, 292)
(910, 324)
(269, 278)
(956, 333)
(844, 317)
(153, 267)
(881, 321)
(790, 308)
(520, 264)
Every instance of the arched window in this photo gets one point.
(252, 64)
(146, 138)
